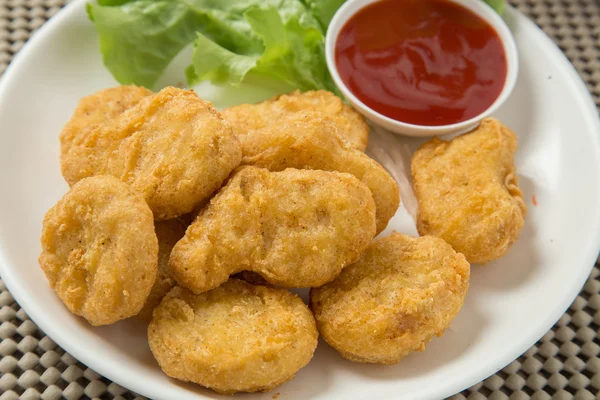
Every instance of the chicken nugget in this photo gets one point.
(248, 117)
(99, 108)
(235, 338)
(168, 233)
(99, 250)
(400, 294)
(172, 147)
(296, 228)
(311, 140)
(467, 191)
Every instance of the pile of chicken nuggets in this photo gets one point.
(198, 221)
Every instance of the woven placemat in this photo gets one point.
(564, 364)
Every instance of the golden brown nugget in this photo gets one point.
(235, 338)
(311, 140)
(173, 148)
(467, 191)
(99, 250)
(296, 228)
(400, 294)
(99, 108)
(168, 234)
(248, 117)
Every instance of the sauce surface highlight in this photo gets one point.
(423, 62)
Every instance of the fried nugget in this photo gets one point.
(172, 147)
(400, 294)
(168, 234)
(99, 108)
(468, 192)
(296, 228)
(235, 338)
(248, 117)
(311, 140)
(99, 250)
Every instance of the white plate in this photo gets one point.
(511, 304)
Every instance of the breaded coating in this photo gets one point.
(400, 294)
(296, 228)
(168, 233)
(235, 338)
(99, 250)
(248, 117)
(99, 108)
(311, 140)
(468, 192)
(251, 277)
(172, 147)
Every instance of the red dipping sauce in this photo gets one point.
(423, 62)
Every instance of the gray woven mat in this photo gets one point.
(564, 364)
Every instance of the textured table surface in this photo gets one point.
(564, 364)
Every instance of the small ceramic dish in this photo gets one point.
(351, 7)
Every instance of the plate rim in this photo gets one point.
(119, 375)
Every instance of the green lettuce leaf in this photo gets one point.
(323, 10)
(139, 39)
(291, 51)
(215, 63)
(294, 52)
(497, 5)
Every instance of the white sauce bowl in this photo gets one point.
(351, 7)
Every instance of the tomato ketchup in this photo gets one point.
(423, 62)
